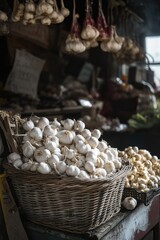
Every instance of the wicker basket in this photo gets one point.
(67, 203)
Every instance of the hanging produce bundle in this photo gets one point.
(45, 12)
(65, 148)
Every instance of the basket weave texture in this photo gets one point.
(67, 203)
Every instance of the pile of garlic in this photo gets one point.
(145, 174)
(65, 148)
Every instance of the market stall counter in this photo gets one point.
(140, 223)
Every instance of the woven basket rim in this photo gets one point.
(11, 171)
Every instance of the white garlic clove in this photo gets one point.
(43, 122)
(61, 167)
(79, 125)
(43, 168)
(102, 146)
(41, 154)
(72, 171)
(86, 133)
(49, 131)
(13, 157)
(96, 133)
(93, 142)
(65, 137)
(17, 163)
(28, 125)
(83, 175)
(67, 124)
(28, 149)
(36, 134)
(129, 203)
(90, 167)
(78, 138)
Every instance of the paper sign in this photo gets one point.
(25, 74)
(86, 72)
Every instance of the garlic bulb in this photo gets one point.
(17, 163)
(30, 6)
(43, 168)
(34, 167)
(46, 21)
(109, 155)
(90, 167)
(102, 146)
(28, 125)
(78, 138)
(55, 123)
(79, 126)
(44, 8)
(43, 122)
(28, 149)
(61, 167)
(53, 161)
(3, 16)
(36, 134)
(82, 147)
(83, 174)
(28, 16)
(91, 156)
(96, 133)
(68, 124)
(49, 131)
(69, 153)
(41, 154)
(109, 167)
(13, 157)
(86, 133)
(129, 203)
(89, 32)
(72, 171)
(93, 142)
(64, 11)
(100, 172)
(65, 137)
(51, 146)
(26, 166)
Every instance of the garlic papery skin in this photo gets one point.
(79, 126)
(90, 167)
(51, 146)
(3, 16)
(65, 137)
(36, 134)
(102, 146)
(41, 154)
(17, 163)
(109, 167)
(43, 122)
(28, 149)
(26, 166)
(86, 133)
(93, 142)
(28, 125)
(72, 171)
(53, 161)
(13, 157)
(129, 203)
(61, 167)
(82, 147)
(96, 133)
(49, 131)
(43, 168)
(68, 124)
(83, 175)
(34, 167)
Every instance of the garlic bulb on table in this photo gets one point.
(129, 203)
